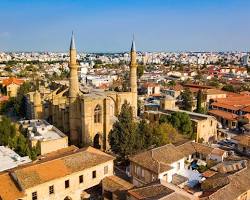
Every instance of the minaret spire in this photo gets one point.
(72, 42)
(133, 77)
(133, 44)
(73, 92)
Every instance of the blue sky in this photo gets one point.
(108, 25)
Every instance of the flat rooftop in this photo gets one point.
(41, 130)
(10, 159)
(194, 116)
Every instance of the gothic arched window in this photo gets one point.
(98, 114)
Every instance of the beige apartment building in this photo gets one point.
(60, 176)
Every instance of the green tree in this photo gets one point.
(200, 97)
(164, 119)
(155, 134)
(122, 137)
(125, 82)
(187, 98)
(144, 132)
(140, 71)
(182, 122)
(98, 62)
(198, 76)
(171, 83)
(214, 82)
(229, 88)
(14, 139)
(163, 134)
(139, 107)
(19, 101)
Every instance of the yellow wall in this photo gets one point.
(75, 189)
(53, 145)
(12, 90)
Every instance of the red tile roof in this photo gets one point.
(234, 102)
(208, 173)
(8, 189)
(218, 152)
(12, 80)
(46, 170)
(159, 159)
(246, 109)
(226, 106)
(4, 98)
(198, 86)
(223, 114)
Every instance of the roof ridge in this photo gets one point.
(43, 161)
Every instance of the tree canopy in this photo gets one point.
(200, 100)
(122, 137)
(15, 139)
(128, 137)
(187, 98)
(229, 88)
(181, 121)
(140, 71)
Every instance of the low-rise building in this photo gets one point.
(227, 119)
(174, 91)
(44, 135)
(214, 94)
(175, 167)
(115, 188)
(61, 176)
(158, 163)
(11, 86)
(168, 102)
(172, 163)
(234, 185)
(158, 191)
(10, 159)
(205, 126)
(243, 143)
(230, 110)
(150, 89)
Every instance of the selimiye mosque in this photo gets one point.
(86, 116)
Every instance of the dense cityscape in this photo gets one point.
(131, 125)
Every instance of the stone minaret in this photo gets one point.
(73, 93)
(133, 78)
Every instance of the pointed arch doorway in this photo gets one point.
(97, 142)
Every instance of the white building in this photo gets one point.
(100, 80)
(172, 163)
(45, 135)
(10, 159)
(246, 60)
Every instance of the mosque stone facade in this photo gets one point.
(87, 117)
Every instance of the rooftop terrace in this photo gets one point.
(41, 130)
(10, 159)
